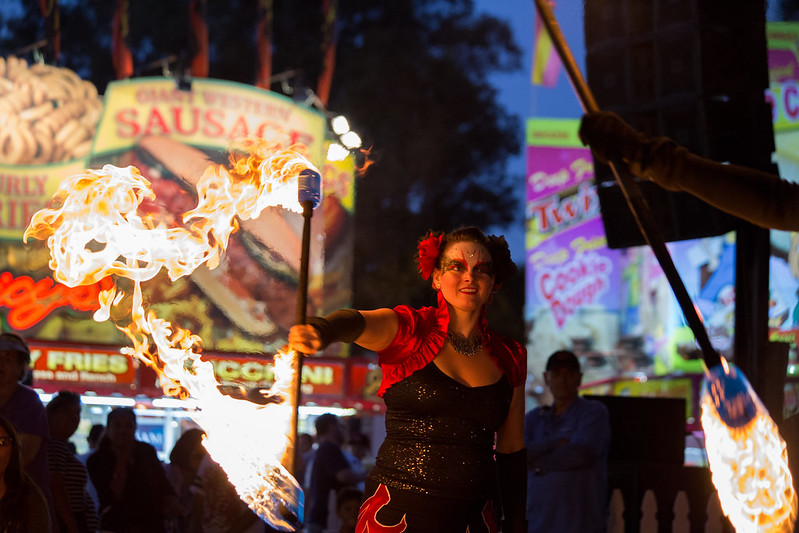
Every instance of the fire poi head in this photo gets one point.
(95, 230)
(747, 456)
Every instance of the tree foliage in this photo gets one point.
(411, 76)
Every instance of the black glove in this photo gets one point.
(512, 471)
(344, 325)
(611, 139)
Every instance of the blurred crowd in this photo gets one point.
(120, 485)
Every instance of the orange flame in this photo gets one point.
(95, 231)
(368, 161)
(749, 467)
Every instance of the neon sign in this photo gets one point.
(30, 301)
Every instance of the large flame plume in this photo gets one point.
(95, 229)
(748, 462)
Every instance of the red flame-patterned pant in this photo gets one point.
(391, 510)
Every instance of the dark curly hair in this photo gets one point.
(497, 246)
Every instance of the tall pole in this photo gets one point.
(309, 193)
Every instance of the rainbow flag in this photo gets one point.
(546, 63)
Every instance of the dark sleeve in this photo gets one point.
(758, 197)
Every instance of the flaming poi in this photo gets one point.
(747, 456)
(95, 230)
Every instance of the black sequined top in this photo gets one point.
(440, 435)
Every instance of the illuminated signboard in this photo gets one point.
(106, 370)
(82, 368)
(244, 306)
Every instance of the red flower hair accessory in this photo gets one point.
(429, 249)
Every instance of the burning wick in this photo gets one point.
(747, 456)
(95, 231)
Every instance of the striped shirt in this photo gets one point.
(63, 461)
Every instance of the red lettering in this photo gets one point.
(213, 126)
(156, 125)
(546, 286)
(790, 100)
(239, 129)
(195, 121)
(126, 123)
(13, 185)
(301, 137)
(540, 213)
(11, 210)
(30, 301)
(772, 104)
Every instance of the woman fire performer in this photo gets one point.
(451, 385)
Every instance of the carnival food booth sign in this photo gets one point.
(188, 202)
(104, 371)
(246, 305)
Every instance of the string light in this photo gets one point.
(348, 140)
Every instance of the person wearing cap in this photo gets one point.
(23, 408)
(567, 450)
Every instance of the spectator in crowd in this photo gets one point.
(330, 471)
(23, 408)
(131, 484)
(93, 440)
(348, 502)
(356, 452)
(220, 508)
(75, 511)
(305, 452)
(567, 452)
(22, 504)
(184, 462)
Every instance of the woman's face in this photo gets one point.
(6, 449)
(466, 276)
